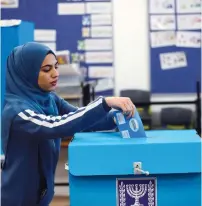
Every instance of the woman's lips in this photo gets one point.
(54, 83)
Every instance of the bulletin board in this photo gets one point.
(83, 27)
(175, 45)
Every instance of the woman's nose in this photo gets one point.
(55, 73)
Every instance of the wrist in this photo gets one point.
(105, 105)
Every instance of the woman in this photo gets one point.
(35, 118)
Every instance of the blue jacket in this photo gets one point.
(33, 123)
(34, 145)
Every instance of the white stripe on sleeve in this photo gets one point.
(67, 118)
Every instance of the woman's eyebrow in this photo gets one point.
(49, 65)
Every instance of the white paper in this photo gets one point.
(9, 4)
(86, 20)
(173, 60)
(100, 71)
(104, 84)
(98, 44)
(189, 22)
(162, 22)
(188, 39)
(45, 35)
(98, 57)
(80, 45)
(162, 39)
(101, 19)
(85, 32)
(98, 8)
(51, 45)
(71, 8)
(162, 6)
(189, 6)
(101, 31)
(63, 57)
(10, 22)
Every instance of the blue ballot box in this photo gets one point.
(13, 33)
(163, 169)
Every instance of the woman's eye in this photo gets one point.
(46, 70)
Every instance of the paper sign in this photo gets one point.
(189, 22)
(162, 6)
(51, 45)
(98, 8)
(101, 31)
(100, 71)
(104, 84)
(173, 60)
(9, 4)
(45, 35)
(85, 32)
(189, 6)
(129, 127)
(71, 8)
(98, 44)
(99, 57)
(188, 39)
(10, 22)
(162, 22)
(101, 19)
(86, 20)
(80, 45)
(162, 39)
(63, 57)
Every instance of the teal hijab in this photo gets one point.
(23, 66)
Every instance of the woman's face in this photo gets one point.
(48, 75)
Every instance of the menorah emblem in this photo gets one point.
(136, 193)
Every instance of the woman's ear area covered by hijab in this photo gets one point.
(48, 74)
(23, 69)
(33, 55)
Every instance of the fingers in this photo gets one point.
(124, 103)
(124, 107)
(133, 107)
(129, 108)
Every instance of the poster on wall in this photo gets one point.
(188, 6)
(9, 4)
(173, 60)
(188, 39)
(175, 45)
(162, 22)
(189, 21)
(162, 6)
(162, 39)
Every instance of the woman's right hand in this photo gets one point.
(123, 103)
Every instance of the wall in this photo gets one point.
(131, 45)
(131, 42)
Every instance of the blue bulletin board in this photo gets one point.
(175, 45)
(84, 27)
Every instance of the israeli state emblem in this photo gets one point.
(136, 192)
